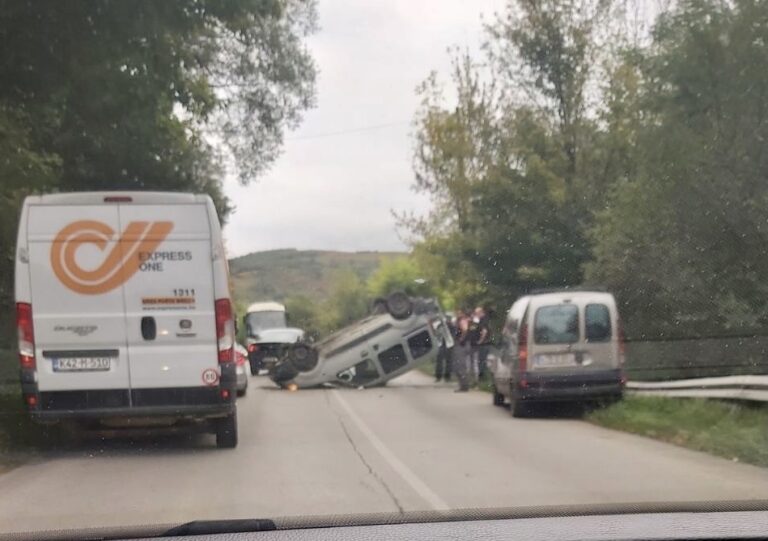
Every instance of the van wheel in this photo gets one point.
(520, 409)
(498, 398)
(242, 392)
(304, 358)
(226, 432)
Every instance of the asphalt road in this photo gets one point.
(413, 445)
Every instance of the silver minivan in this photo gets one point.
(559, 346)
(401, 333)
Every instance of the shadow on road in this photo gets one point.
(557, 410)
(92, 443)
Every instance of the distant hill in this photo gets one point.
(277, 274)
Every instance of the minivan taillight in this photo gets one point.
(26, 335)
(522, 347)
(225, 330)
(622, 351)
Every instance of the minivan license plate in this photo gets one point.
(81, 364)
(560, 359)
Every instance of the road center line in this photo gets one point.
(395, 463)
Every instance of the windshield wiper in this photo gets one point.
(209, 527)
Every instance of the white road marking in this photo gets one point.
(395, 463)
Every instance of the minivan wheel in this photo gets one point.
(520, 409)
(399, 305)
(303, 357)
(498, 398)
(226, 432)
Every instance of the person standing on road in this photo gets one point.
(462, 352)
(484, 342)
(444, 363)
(479, 334)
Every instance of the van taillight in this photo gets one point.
(225, 330)
(622, 351)
(26, 335)
(522, 347)
(622, 344)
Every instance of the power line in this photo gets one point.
(371, 127)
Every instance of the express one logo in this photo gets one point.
(118, 265)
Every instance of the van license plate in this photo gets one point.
(561, 359)
(81, 364)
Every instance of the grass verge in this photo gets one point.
(734, 430)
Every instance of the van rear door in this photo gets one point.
(75, 270)
(170, 312)
(601, 334)
(573, 334)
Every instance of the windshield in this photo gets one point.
(302, 259)
(259, 321)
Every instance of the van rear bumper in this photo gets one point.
(191, 412)
(192, 402)
(593, 385)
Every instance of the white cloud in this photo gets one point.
(337, 191)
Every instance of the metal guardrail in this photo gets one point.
(729, 387)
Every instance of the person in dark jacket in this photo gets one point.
(462, 360)
(479, 340)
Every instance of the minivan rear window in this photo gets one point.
(597, 320)
(556, 324)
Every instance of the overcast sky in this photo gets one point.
(336, 191)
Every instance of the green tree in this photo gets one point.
(683, 242)
(302, 313)
(123, 92)
(106, 94)
(515, 167)
(400, 274)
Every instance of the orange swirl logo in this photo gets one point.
(121, 262)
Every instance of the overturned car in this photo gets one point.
(401, 333)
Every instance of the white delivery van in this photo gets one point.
(560, 345)
(124, 310)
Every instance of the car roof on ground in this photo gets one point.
(268, 306)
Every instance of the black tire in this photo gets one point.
(226, 431)
(498, 398)
(520, 409)
(283, 372)
(303, 357)
(241, 392)
(399, 305)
